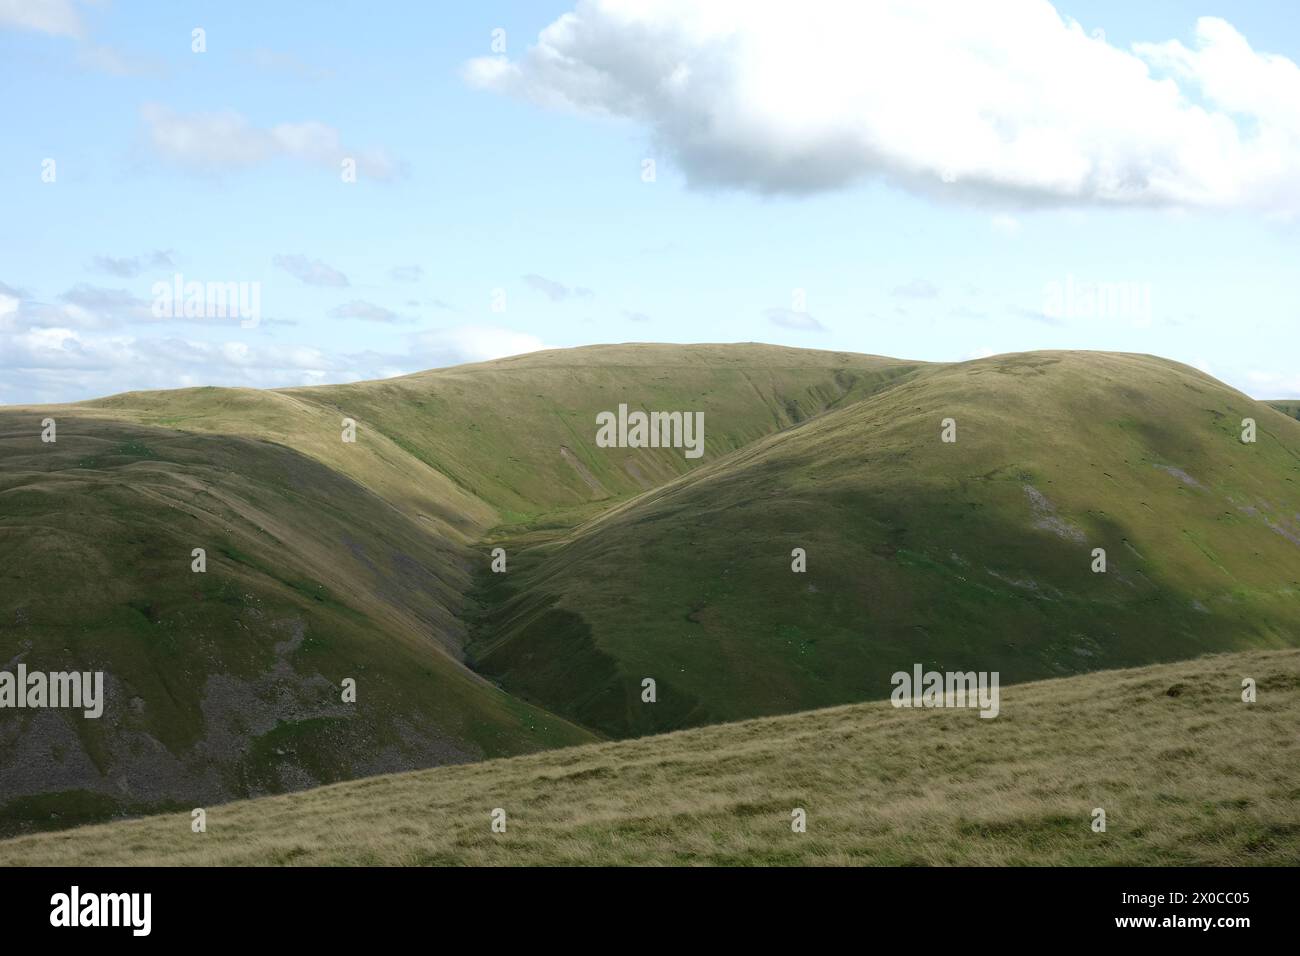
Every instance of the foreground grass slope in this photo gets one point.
(976, 554)
(1187, 773)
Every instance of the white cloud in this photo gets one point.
(555, 291)
(311, 271)
(1270, 384)
(1005, 225)
(1006, 101)
(790, 319)
(128, 267)
(366, 311)
(66, 363)
(56, 17)
(406, 273)
(224, 140)
(471, 343)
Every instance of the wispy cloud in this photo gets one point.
(366, 311)
(555, 291)
(790, 319)
(311, 271)
(406, 273)
(917, 289)
(283, 64)
(129, 267)
(55, 17)
(226, 140)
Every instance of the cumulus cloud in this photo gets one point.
(56, 364)
(63, 364)
(1007, 102)
(311, 271)
(555, 291)
(226, 140)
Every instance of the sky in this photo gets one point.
(399, 186)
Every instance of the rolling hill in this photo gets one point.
(975, 554)
(1186, 773)
(327, 560)
(330, 560)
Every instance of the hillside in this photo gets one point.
(326, 560)
(975, 554)
(225, 683)
(1290, 408)
(1186, 772)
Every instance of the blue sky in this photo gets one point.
(872, 181)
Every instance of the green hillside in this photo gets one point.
(225, 683)
(1186, 773)
(326, 560)
(975, 554)
(369, 560)
(1290, 408)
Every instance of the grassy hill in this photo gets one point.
(225, 683)
(975, 554)
(326, 560)
(330, 560)
(1290, 408)
(1186, 772)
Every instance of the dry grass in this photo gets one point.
(1187, 774)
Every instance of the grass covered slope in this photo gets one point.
(519, 433)
(369, 559)
(225, 683)
(1187, 773)
(326, 560)
(1289, 408)
(497, 442)
(970, 555)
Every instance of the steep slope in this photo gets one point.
(1186, 772)
(326, 560)
(1289, 408)
(975, 554)
(224, 683)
